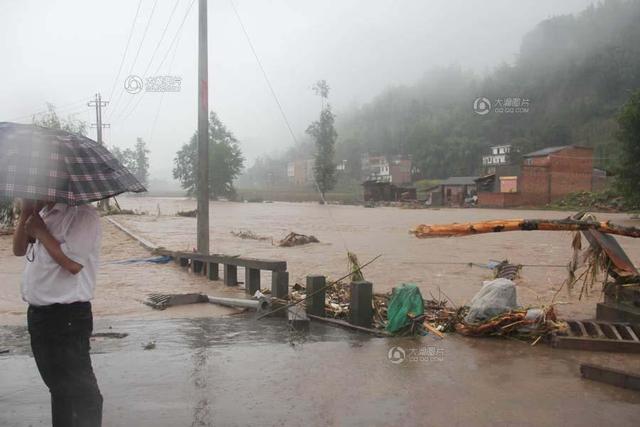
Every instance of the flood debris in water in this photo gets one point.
(296, 239)
(188, 214)
(249, 235)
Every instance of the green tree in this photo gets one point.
(136, 159)
(225, 161)
(50, 119)
(324, 134)
(141, 161)
(629, 136)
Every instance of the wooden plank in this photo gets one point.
(502, 225)
(611, 376)
(254, 263)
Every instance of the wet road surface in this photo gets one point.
(241, 372)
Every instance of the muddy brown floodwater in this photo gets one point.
(436, 265)
(209, 368)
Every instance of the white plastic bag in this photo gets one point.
(494, 298)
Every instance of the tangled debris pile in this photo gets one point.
(521, 323)
(438, 317)
(295, 239)
(248, 234)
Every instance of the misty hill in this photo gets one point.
(574, 72)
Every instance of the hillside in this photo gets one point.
(575, 72)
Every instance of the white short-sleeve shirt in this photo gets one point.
(78, 230)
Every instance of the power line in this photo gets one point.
(126, 49)
(286, 120)
(184, 18)
(123, 116)
(155, 119)
(64, 107)
(166, 27)
(264, 73)
(135, 59)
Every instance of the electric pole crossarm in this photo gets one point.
(99, 103)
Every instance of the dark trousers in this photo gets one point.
(60, 343)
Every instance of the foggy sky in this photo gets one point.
(65, 51)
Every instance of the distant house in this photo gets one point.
(300, 172)
(393, 169)
(377, 191)
(545, 176)
(452, 191)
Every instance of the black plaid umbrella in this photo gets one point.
(57, 166)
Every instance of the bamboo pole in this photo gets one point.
(466, 229)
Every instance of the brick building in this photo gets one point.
(453, 191)
(393, 169)
(300, 172)
(545, 176)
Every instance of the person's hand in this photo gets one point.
(34, 225)
(29, 207)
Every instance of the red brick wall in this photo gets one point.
(534, 185)
(571, 170)
(400, 172)
(499, 200)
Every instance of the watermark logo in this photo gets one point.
(429, 353)
(481, 106)
(396, 355)
(504, 105)
(134, 84)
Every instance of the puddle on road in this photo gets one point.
(173, 334)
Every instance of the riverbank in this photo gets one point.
(120, 288)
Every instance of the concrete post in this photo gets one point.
(361, 310)
(213, 271)
(197, 266)
(251, 280)
(279, 289)
(280, 284)
(230, 275)
(315, 303)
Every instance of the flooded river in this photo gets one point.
(209, 367)
(437, 265)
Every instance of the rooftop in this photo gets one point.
(459, 180)
(550, 150)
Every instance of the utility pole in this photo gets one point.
(99, 103)
(203, 131)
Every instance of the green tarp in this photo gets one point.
(404, 300)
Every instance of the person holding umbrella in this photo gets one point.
(56, 174)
